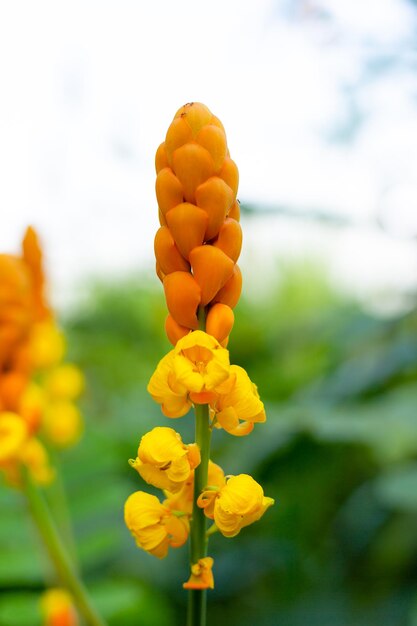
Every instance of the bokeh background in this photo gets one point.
(319, 102)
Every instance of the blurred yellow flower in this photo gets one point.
(58, 609)
(34, 456)
(237, 504)
(62, 423)
(153, 525)
(201, 575)
(32, 405)
(46, 345)
(238, 399)
(65, 382)
(164, 461)
(13, 434)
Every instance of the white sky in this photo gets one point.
(88, 89)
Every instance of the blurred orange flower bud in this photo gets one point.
(213, 139)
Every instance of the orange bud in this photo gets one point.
(167, 254)
(216, 198)
(196, 114)
(230, 293)
(212, 268)
(193, 165)
(183, 295)
(234, 212)
(159, 272)
(230, 174)
(224, 342)
(213, 139)
(219, 321)
(161, 160)
(174, 331)
(216, 122)
(12, 385)
(187, 224)
(230, 239)
(168, 190)
(161, 217)
(178, 134)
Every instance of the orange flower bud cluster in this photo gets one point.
(200, 238)
(32, 346)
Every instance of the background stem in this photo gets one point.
(57, 552)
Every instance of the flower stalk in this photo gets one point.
(196, 247)
(197, 598)
(57, 552)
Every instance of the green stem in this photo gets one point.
(197, 598)
(58, 504)
(57, 552)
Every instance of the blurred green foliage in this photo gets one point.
(338, 453)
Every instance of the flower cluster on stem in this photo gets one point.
(196, 247)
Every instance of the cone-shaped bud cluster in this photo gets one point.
(200, 238)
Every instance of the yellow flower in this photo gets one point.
(165, 389)
(65, 382)
(164, 461)
(47, 345)
(238, 399)
(58, 609)
(239, 503)
(153, 525)
(32, 405)
(62, 423)
(201, 575)
(13, 434)
(200, 365)
(183, 500)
